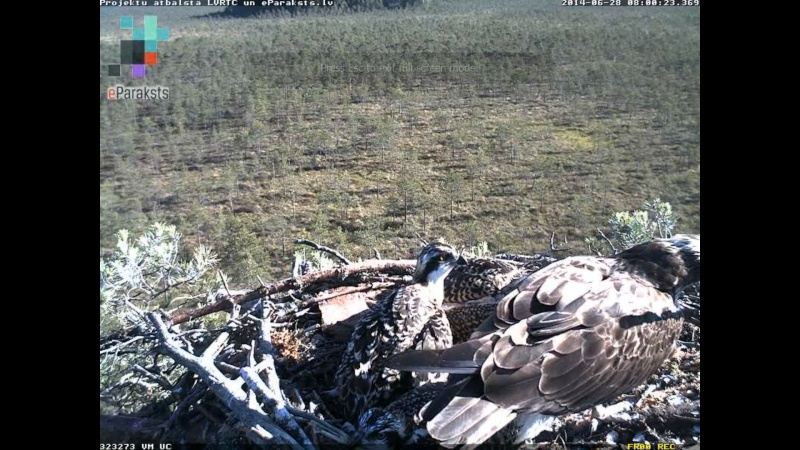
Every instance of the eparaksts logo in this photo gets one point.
(142, 49)
(137, 93)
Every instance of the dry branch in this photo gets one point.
(553, 248)
(227, 390)
(270, 397)
(159, 379)
(391, 267)
(324, 249)
(120, 345)
(608, 241)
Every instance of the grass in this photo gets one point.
(586, 113)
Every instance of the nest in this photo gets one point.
(265, 376)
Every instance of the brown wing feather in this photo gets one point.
(579, 352)
(559, 342)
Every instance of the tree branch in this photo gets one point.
(392, 267)
(159, 379)
(271, 393)
(608, 241)
(324, 249)
(553, 247)
(229, 391)
(120, 345)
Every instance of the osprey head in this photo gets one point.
(687, 248)
(670, 264)
(435, 262)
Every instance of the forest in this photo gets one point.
(332, 126)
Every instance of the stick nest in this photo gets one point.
(264, 377)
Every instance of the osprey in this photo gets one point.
(397, 425)
(479, 278)
(577, 333)
(464, 319)
(409, 318)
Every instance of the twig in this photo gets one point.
(186, 300)
(259, 435)
(160, 380)
(324, 249)
(323, 427)
(247, 309)
(124, 383)
(534, 260)
(271, 394)
(552, 244)
(169, 286)
(194, 395)
(118, 346)
(664, 417)
(234, 306)
(608, 241)
(275, 400)
(265, 339)
(230, 369)
(215, 347)
(224, 282)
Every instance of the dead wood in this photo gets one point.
(227, 390)
(265, 377)
(396, 267)
(324, 249)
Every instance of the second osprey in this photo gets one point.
(409, 318)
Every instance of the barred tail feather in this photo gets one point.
(456, 359)
(460, 415)
(468, 421)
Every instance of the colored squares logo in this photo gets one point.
(142, 49)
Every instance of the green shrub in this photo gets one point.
(142, 275)
(634, 227)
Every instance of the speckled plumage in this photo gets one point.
(530, 262)
(397, 425)
(410, 318)
(572, 335)
(464, 319)
(479, 278)
(485, 277)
